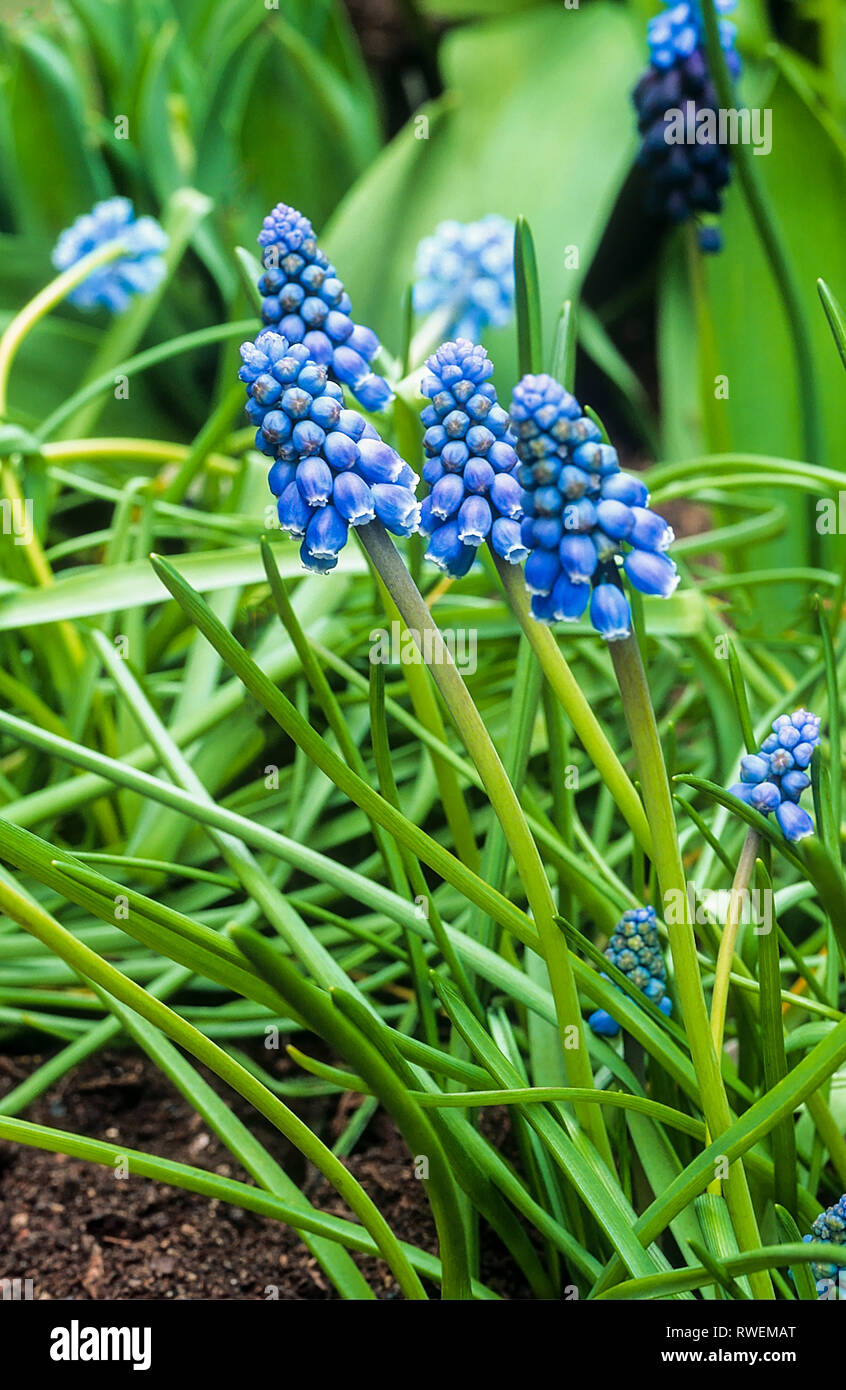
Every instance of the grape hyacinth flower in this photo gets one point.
(467, 268)
(636, 950)
(830, 1226)
(331, 468)
(582, 515)
(303, 299)
(688, 167)
(471, 463)
(138, 271)
(774, 778)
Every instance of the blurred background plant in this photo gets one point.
(163, 769)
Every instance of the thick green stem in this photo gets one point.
(666, 856)
(504, 801)
(575, 705)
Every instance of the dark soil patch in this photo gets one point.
(78, 1232)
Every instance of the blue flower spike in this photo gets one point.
(830, 1226)
(636, 950)
(471, 462)
(331, 469)
(583, 517)
(774, 778)
(467, 269)
(138, 271)
(686, 176)
(305, 302)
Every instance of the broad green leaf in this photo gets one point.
(564, 138)
(84, 595)
(47, 113)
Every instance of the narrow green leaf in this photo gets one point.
(527, 300)
(802, 1276)
(835, 316)
(772, 1046)
(741, 699)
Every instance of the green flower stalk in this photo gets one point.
(527, 860)
(643, 731)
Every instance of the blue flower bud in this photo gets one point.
(754, 768)
(326, 412)
(651, 573)
(308, 437)
(326, 533)
(350, 367)
(374, 392)
(446, 550)
(318, 564)
(340, 450)
(794, 783)
(505, 496)
(569, 600)
(293, 511)
(623, 487)
(314, 480)
(474, 520)
(447, 496)
(479, 476)
(649, 530)
(396, 507)
(353, 499)
(578, 516)
(765, 797)
(802, 754)
(280, 475)
(278, 427)
(615, 518)
(507, 541)
(578, 558)
(610, 612)
(795, 822)
(378, 462)
(781, 760)
(542, 570)
(603, 1024)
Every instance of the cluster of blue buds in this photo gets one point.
(688, 167)
(581, 513)
(635, 949)
(303, 299)
(331, 468)
(468, 269)
(774, 778)
(830, 1226)
(471, 462)
(138, 271)
(678, 33)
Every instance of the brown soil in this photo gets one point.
(78, 1233)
